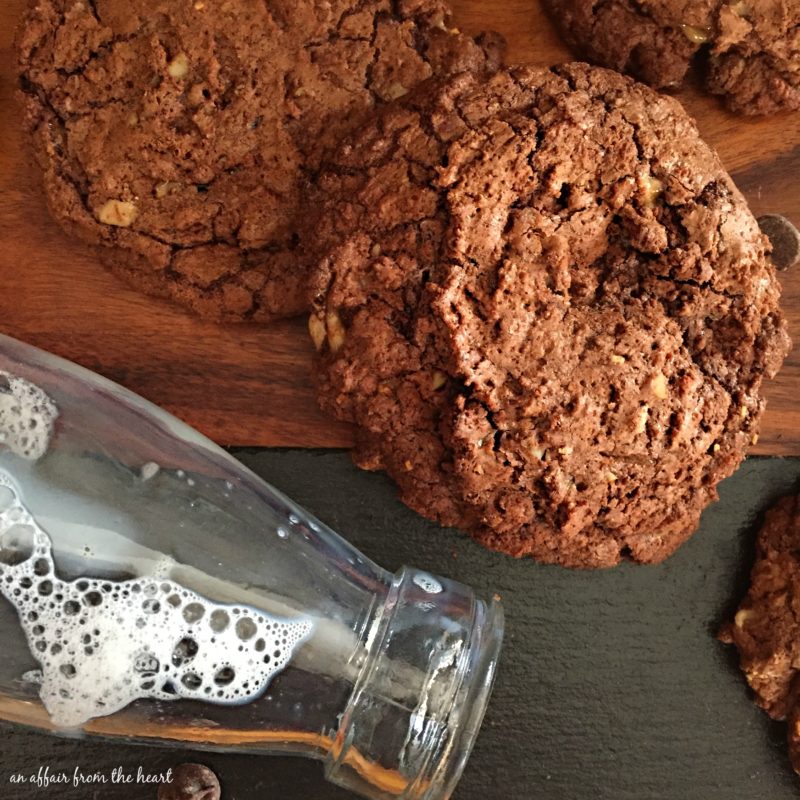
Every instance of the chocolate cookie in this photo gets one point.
(752, 46)
(177, 136)
(547, 309)
(766, 629)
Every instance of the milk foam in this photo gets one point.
(27, 417)
(102, 644)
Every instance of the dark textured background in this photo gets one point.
(611, 683)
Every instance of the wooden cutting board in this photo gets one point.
(251, 385)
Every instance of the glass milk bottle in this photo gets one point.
(155, 589)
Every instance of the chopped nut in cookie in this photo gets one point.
(318, 331)
(179, 66)
(659, 386)
(120, 213)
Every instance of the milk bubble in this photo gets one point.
(102, 644)
(149, 470)
(27, 417)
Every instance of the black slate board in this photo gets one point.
(612, 684)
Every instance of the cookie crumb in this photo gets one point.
(191, 782)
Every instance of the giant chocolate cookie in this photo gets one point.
(752, 46)
(766, 629)
(177, 134)
(547, 309)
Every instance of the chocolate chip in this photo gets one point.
(190, 782)
(785, 240)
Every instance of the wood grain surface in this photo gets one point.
(611, 683)
(251, 385)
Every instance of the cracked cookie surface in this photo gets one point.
(547, 309)
(752, 47)
(766, 628)
(177, 136)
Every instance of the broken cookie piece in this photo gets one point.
(766, 628)
(751, 48)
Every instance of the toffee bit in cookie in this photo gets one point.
(659, 386)
(740, 620)
(120, 213)
(785, 240)
(695, 34)
(651, 189)
(438, 380)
